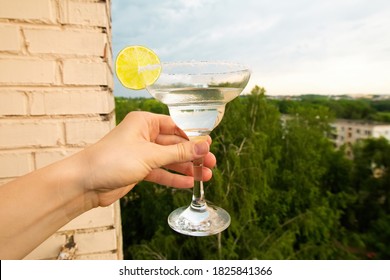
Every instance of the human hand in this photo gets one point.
(144, 146)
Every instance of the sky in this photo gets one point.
(291, 46)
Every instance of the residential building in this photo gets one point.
(348, 132)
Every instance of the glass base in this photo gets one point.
(189, 221)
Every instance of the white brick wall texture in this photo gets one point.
(27, 71)
(58, 41)
(13, 103)
(10, 39)
(56, 97)
(25, 10)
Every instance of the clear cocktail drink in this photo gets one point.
(196, 94)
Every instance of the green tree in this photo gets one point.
(303, 184)
(371, 182)
(290, 194)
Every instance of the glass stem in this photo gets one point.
(198, 201)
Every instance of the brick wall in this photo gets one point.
(56, 98)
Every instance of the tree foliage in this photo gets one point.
(344, 108)
(290, 194)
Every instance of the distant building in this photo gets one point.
(348, 132)
(351, 131)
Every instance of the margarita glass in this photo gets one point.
(196, 94)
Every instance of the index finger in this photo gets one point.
(163, 124)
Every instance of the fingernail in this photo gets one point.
(201, 148)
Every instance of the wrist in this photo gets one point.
(79, 172)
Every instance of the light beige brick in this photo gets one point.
(37, 103)
(110, 78)
(83, 13)
(9, 38)
(22, 72)
(39, 10)
(36, 133)
(84, 132)
(84, 73)
(98, 217)
(98, 256)
(46, 157)
(98, 241)
(13, 103)
(110, 64)
(71, 102)
(13, 164)
(41, 41)
(49, 249)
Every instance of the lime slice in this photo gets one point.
(137, 67)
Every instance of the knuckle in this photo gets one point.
(181, 152)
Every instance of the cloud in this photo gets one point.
(291, 46)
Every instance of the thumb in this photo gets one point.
(182, 152)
